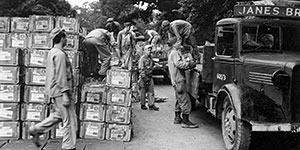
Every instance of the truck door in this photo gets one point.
(226, 45)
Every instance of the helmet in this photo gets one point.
(110, 20)
(165, 23)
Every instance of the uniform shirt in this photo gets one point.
(125, 41)
(146, 67)
(152, 33)
(59, 76)
(180, 29)
(103, 35)
(177, 65)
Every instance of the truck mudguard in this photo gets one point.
(249, 104)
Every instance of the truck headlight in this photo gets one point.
(281, 79)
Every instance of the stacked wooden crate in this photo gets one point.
(10, 83)
(106, 108)
(118, 115)
(36, 105)
(24, 47)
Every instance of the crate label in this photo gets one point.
(18, 43)
(94, 97)
(117, 79)
(37, 97)
(92, 114)
(33, 115)
(6, 96)
(22, 25)
(41, 24)
(6, 132)
(39, 79)
(115, 97)
(116, 134)
(92, 131)
(6, 76)
(7, 114)
(5, 55)
(40, 39)
(36, 59)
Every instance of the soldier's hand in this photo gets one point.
(192, 64)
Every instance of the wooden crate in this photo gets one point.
(17, 40)
(9, 74)
(10, 93)
(119, 96)
(19, 24)
(10, 56)
(92, 112)
(9, 111)
(72, 42)
(92, 130)
(35, 94)
(33, 112)
(94, 94)
(35, 76)
(41, 23)
(9, 130)
(35, 58)
(4, 24)
(118, 114)
(117, 132)
(71, 25)
(119, 78)
(40, 41)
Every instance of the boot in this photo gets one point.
(154, 108)
(186, 123)
(177, 119)
(144, 107)
(35, 137)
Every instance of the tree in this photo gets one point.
(21, 8)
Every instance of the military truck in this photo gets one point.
(250, 78)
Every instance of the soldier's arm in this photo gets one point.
(179, 63)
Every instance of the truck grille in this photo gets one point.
(263, 78)
(295, 101)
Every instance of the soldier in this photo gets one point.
(183, 32)
(154, 37)
(99, 43)
(145, 79)
(178, 63)
(113, 26)
(59, 87)
(126, 44)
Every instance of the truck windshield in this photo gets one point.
(262, 38)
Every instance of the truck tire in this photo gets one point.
(236, 133)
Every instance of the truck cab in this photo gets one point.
(251, 80)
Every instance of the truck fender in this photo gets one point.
(250, 105)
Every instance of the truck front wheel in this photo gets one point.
(236, 133)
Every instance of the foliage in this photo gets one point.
(24, 8)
